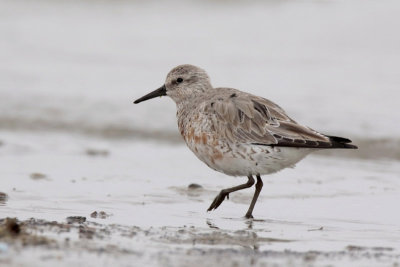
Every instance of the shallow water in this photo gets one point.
(326, 205)
(72, 142)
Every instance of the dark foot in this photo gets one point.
(249, 216)
(218, 200)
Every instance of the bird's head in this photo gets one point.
(182, 83)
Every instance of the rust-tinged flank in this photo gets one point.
(191, 134)
(204, 138)
(216, 155)
(214, 142)
(197, 139)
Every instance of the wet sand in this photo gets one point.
(94, 180)
(98, 244)
(107, 202)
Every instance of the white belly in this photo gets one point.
(247, 160)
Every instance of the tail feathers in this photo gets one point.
(341, 142)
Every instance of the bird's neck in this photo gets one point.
(186, 108)
(189, 101)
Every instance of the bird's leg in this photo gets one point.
(225, 193)
(259, 186)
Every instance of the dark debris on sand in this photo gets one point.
(194, 186)
(76, 219)
(99, 215)
(3, 198)
(38, 176)
(13, 231)
(97, 152)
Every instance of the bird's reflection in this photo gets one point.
(211, 224)
(248, 223)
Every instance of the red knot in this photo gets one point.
(238, 133)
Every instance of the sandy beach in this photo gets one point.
(89, 200)
(89, 179)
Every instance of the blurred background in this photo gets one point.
(73, 144)
(76, 66)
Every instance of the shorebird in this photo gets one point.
(237, 133)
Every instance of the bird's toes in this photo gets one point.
(218, 200)
(211, 206)
(214, 204)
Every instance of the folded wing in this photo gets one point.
(245, 118)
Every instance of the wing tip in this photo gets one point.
(341, 142)
(334, 142)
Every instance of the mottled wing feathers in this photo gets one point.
(241, 117)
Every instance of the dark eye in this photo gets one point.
(179, 80)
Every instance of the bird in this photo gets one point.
(237, 133)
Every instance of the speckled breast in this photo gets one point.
(200, 137)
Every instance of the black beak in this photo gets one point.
(159, 92)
